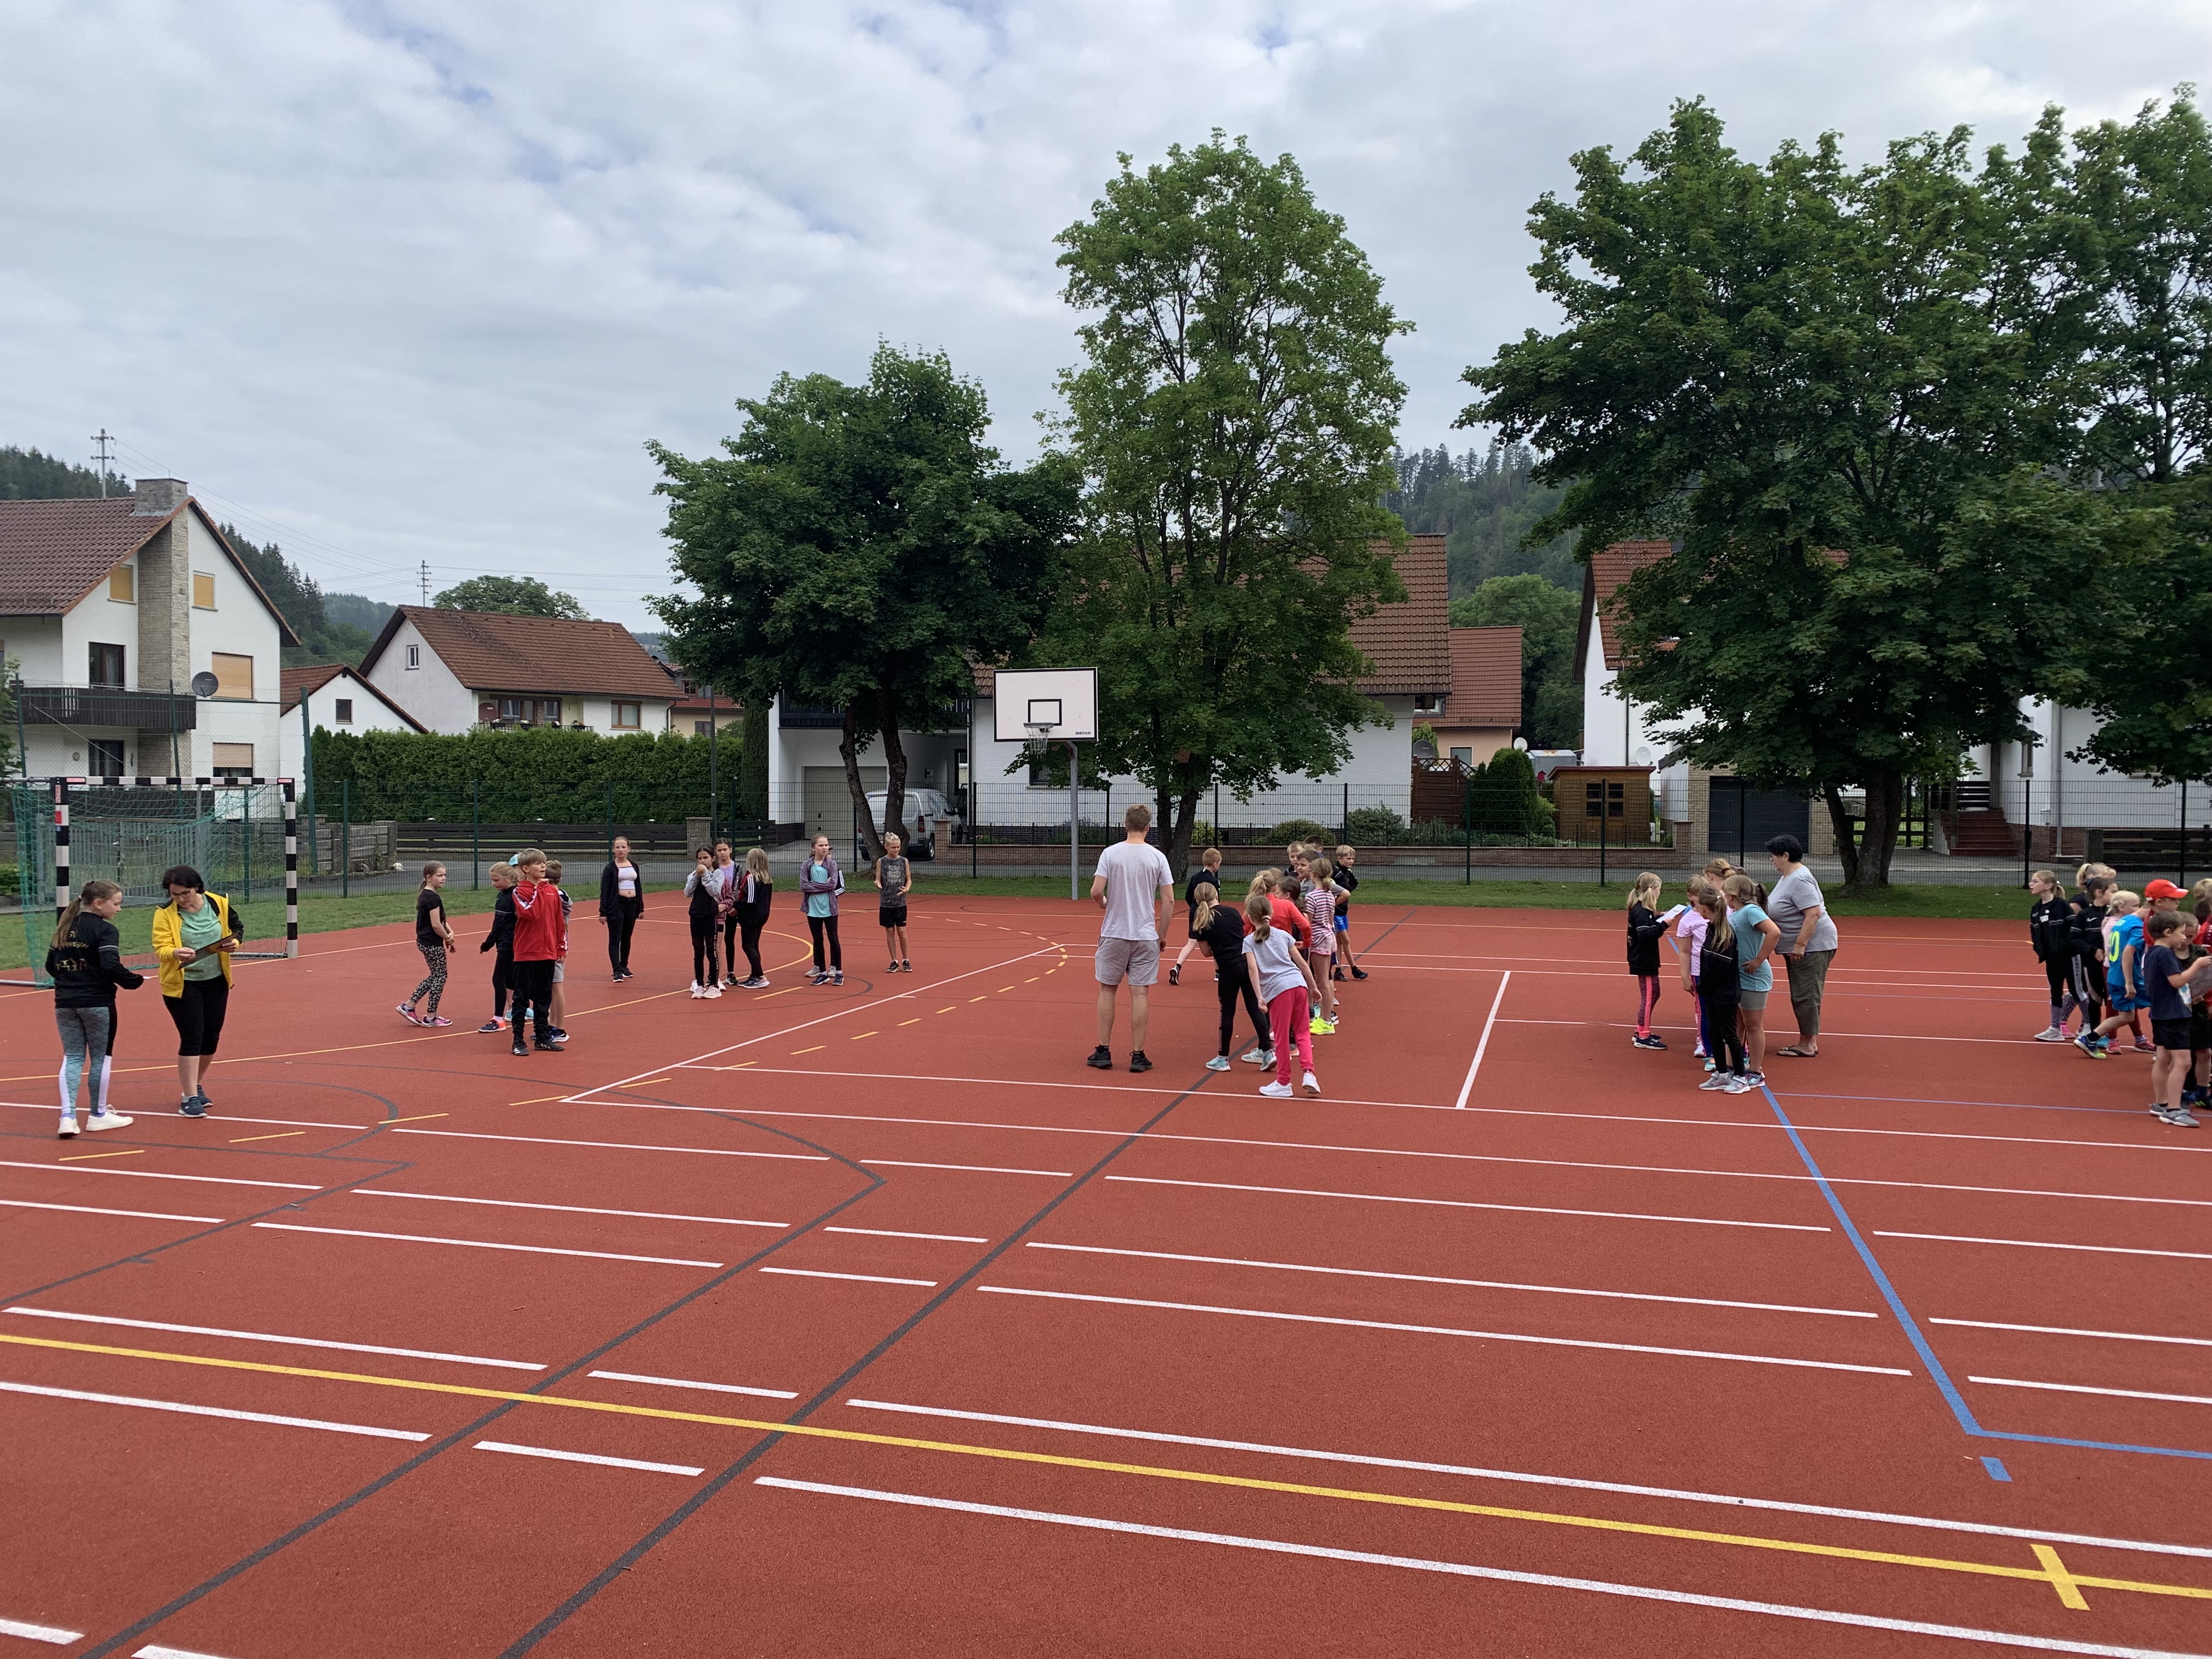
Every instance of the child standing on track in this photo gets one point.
(1645, 930)
(1686, 937)
(1348, 879)
(1285, 911)
(755, 890)
(621, 901)
(538, 928)
(2050, 931)
(1321, 942)
(1220, 932)
(561, 961)
(1208, 874)
(703, 901)
(728, 873)
(1756, 936)
(500, 940)
(433, 937)
(1720, 990)
(86, 964)
(2169, 988)
(1284, 986)
(894, 876)
(2095, 883)
(821, 881)
(2124, 949)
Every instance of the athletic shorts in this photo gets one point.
(2117, 1003)
(1137, 960)
(1322, 944)
(1343, 922)
(1751, 1001)
(559, 970)
(891, 915)
(2170, 1034)
(2200, 1028)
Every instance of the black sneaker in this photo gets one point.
(1175, 972)
(838, 977)
(905, 967)
(521, 1049)
(1137, 1062)
(546, 1046)
(893, 968)
(1648, 1042)
(193, 1106)
(1359, 973)
(1102, 1057)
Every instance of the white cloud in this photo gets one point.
(414, 283)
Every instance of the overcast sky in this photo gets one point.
(396, 281)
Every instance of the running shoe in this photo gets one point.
(1739, 1085)
(1137, 1062)
(757, 982)
(1175, 972)
(558, 1033)
(489, 1026)
(1754, 1079)
(1219, 1063)
(1319, 1027)
(711, 993)
(547, 1048)
(1717, 1082)
(2088, 1045)
(837, 977)
(406, 1011)
(1648, 1042)
(2178, 1116)
(520, 1049)
(1699, 1052)
(2143, 1047)
(696, 993)
(1312, 1085)
(2053, 1035)
(1258, 1056)
(193, 1106)
(435, 1021)
(1102, 1057)
(1276, 1090)
(893, 968)
(106, 1121)
(1359, 973)
(68, 1129)
(1709, 1063)
(905, 967)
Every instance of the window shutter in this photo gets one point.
(233, 674)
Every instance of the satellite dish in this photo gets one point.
(205, 684)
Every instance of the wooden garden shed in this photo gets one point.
(1619, 797)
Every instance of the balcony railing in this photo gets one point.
(103, 706)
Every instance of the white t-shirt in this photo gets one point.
(1271, 956)
(1788, 902)
(626, 880)
(1134, 872)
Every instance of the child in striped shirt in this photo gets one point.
(1321, 943)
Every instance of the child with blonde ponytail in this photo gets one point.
(1287, 986)
(1645, 930)
(86, 964)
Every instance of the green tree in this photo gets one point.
(512, 596)
(1551, 701)
(1772, 362)
(26, 475)
(1233, 422)
(752, 765)
(9, 669)
(301, 600)
(859, 548)
(1484, 503)
(1502, 796)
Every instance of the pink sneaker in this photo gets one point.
(406, 1011)
(434, 1019)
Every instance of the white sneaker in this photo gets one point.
(1312, 1084)
(1258, 1056)
(696, 991)
(106, 1121)
(1739, 1085)
(2052, 1035)
(68, 1130)
(1219, 1063)
(1276, 1090)
(1717, 1082)
(711, 993)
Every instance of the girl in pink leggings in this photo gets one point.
(1287, 987)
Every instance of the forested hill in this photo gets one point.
(26, 475)
(1483, 502)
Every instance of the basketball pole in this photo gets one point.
(1074, 821)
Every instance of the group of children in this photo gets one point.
(2111, 957)
(727, 904)
(1724, 943)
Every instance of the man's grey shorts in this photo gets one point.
(1137, 960)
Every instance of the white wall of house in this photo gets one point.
(96, 617)
(239, 623)
(368, 711)
(2062, 793)
(1619, 732)
(35, 645)
(430, 691)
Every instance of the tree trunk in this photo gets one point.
(1846, 828)
(849, 749)
(1885, 805)
(894, 770)
(1177, 816)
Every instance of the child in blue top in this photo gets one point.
(2124, 1000)
(2170, 986)
(1756, 935)
(820, 881)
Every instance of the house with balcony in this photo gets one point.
(109, 608)
(453, 670)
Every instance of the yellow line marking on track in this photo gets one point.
(815, 1049)
(980, 998)
(943, 1011)
(857, 1037)
(241, 1140)
(1002, 990)
(640, 1084)
(916, 1020)
(427, 1116)
(2067, 1586)
(540, 1101)
(79, 1157)
(1031, 980)
(2049, 1572)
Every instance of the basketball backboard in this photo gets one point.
(1035, 704)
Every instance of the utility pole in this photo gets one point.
(103, 438)
(423, 577)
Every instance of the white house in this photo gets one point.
(337, 700)
(455, 670)
(109, 608)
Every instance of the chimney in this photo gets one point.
(158, 497)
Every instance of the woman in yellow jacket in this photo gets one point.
(194, 934)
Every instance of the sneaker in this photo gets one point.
(556, 1033)
(1276, 1090)
(838, 977)
(1312, 1085)
(1336, 973)
(547, 1047)
(729, 981)
(1137, 1062)
(406, 1011)
(1648, 1042)
(521, 1049)
(893, 968)
(2053, 1035)
(489, 1026)
(1717, 1082)
(2086, 1043)
(1738, 1085)
(106, 1121)
(753, 984)
(68, 1130)
(1258, 1056)
(1175, 972)
(1319, 1027)
(905, 967)
(2143, 1047)
(696, 991)
(710, 992)
(2178, 1116)
(1709, 1063)
(1754, 1079)
(1266, 1061)
(1698, 1053)
(1219, 1063)
(1102, 1057)
(193, 1106)
(434, 1022)
(1359, 973)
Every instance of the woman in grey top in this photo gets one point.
(1809, 939)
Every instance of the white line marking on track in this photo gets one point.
(1522, 1478)
(972, 1168)
(617, 1145)
(54, 1634)
(566, 1209)
(155, 1651)
(1433, 1279)
(228, 1117)
(885, 1233)
(1450, 1330)
(681, 1383)
(212, 1411)
(2040, 1244)
(485, 1244)
(1483, 1046)
(1470, 1204)
(586, 1457)
(2082, 1388)
(2068, 1330)
(88, 1209)
(162, 1175)
(1544, 1580)
(864, 1279)
(265, 1336)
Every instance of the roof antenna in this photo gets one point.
(103, 438)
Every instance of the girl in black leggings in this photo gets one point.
(755, 892)
(702, 891)
(1220, 930)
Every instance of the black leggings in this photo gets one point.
(1723, 1036)
(2088, 983)
(502, 974)
(826, 927)
(1231, 980)
(622, 922)
(2059, 975)
(750, 933)
(198, 1013)
(703, 929)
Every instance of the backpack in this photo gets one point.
(1718, 978)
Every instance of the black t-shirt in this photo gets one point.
(2166, 1002)
(428, 903)
(1348, 878)
(1224, 937)
(1212, 877)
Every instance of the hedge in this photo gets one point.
(512, 776)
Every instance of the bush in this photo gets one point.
(561, 776)
(12, 881)
(1502, 796)
(1291, 829)
(1372, 826)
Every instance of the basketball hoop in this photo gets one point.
(1040, 739)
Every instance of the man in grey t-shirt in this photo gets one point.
(1809, 939)
(1133, 887)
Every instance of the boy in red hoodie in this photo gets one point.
(539, 928)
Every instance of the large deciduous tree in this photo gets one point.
(1551, 697)
(512, 596)
(1233, 420)
(859, 548)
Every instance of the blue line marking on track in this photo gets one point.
(1997, 1468)
(1911, 1326)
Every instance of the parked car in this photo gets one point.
(1548, 761)
(927, 813)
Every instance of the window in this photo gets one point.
(549, 710)
(699, 728)
(1427, 703)
(414, 656)
(103, 757)
(1605, 800)
(233, 676)
(343, 711)
(106, 666)
(629, 717)
(123, 585)
(233, 760)
(203, 591)
(1464, 757)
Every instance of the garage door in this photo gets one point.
(1743, 820)
(829, 803)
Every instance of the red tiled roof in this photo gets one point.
(489, 651)
(1485, 678)
(1406, 641)
(54, 553)
(300, 681)
(1608, 567)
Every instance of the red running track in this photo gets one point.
(870, 1321)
